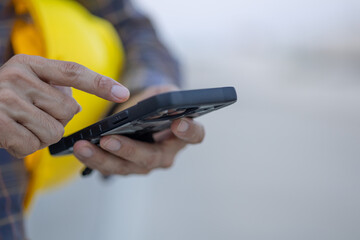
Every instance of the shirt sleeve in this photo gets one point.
(148, 61)
(7, 16)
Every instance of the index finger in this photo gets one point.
(72, 74)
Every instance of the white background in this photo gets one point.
(282, 163)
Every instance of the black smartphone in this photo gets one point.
(151, 115)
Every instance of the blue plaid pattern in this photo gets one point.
(12, 189)
(148, 63)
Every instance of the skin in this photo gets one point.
(36, 101)
(36, 104)
(123, 156)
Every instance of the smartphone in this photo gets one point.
(151, 115)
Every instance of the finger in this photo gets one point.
(188, 130)
(146, 155)
(56, 103)
(71, 74)
(66, 90)
(16, 139)
(51, 100)
(47, 129)
(23, 83)
(105, 162)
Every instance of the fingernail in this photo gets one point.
(112, 145)
(183, 126)
(85, 152)
(120, 92)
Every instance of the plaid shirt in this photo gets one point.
(148, 63)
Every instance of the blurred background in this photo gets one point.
(282, 163)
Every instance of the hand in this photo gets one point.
(36, 101)
(121, 155)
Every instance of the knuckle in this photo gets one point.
(8, 96)
(5, 143)
(56, 132)
(168, 163)
(70, 107)
(15, 153)
(35, 144)
(65, 116)
(23, 148)
(20, 58)
(148, 162)
(11, 73)
(5, 124)
(25, 59)
(71, 70)
(5, 139)
(152, 160)
(18, 145)
(73, 106)
(100, 81)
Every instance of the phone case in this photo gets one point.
(151, 115)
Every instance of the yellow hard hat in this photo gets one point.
(65, 30)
